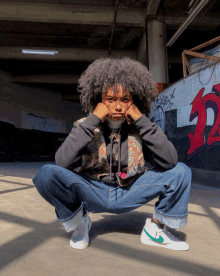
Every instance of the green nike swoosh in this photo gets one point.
(160, 239)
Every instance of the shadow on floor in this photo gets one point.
(130, 223)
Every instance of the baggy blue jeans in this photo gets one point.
(69, 192)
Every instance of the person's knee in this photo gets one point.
(183, 168)
(43, 177)
(185, 171)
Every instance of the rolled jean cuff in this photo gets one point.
(171, 221)
(71, 222)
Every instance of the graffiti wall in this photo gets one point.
(189, 114)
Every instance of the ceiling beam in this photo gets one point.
(73, 14)
(64, 54)
(87, 15)
(152, 7)
(47, 78)
(208, 22)
(20, 39)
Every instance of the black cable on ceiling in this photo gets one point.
(113, 27)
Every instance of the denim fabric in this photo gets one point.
(68, 191)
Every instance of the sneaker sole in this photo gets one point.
(80, 244)
(147, 241)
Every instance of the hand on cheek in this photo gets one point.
(101, 111)
(132, 113)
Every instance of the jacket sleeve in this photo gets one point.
(162, 151)
(75, 144)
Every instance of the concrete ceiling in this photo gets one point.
(81, 31)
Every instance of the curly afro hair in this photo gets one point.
(104, 73)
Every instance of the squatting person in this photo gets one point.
(102, 164)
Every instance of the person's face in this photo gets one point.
(117, 103)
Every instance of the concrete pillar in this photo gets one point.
(157, 53)
(141, 53)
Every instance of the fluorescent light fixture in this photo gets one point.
(39, 52)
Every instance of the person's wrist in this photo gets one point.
(136, 116)
(98, 115)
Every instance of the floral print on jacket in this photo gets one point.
(95, 163)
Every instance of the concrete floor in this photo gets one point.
(33, 242)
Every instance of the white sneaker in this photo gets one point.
(153, 235)
(80, 236)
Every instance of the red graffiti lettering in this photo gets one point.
(199, 107)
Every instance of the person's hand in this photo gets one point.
(132, 113)
(101, 111)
